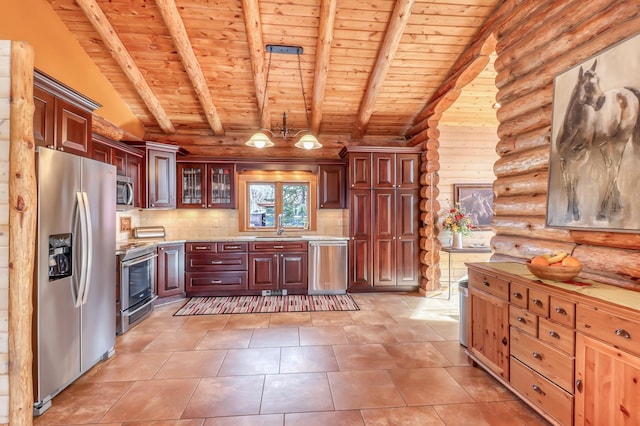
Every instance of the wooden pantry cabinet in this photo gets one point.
(384, 218)
(573, 357)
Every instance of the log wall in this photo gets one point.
(532, 48)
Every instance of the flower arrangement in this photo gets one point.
(456, 221)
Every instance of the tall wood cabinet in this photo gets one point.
(62, 117)
(159, 170)
(384, 212)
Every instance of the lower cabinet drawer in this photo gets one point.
(224, 281)
(524, 320)
(541, 392)
(551, 363)
(216, 262)
(619, 332)
(558, 336)
(490, 284)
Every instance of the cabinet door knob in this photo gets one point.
(537, 389)
(561, 310)
(522, 320)
(537, 302)
(623, 333)
(579, 385)
(486, 283)
(536, 355)
(554, 334)
(517, 295)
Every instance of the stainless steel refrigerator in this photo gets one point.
(74, 323)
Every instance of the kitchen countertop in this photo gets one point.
(122, 246)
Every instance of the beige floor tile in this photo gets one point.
(363, 357)
(134, 342)
(363, 389)
(205, 322)
(84, 403)
(248, 321)
(326, 418)
(274, 337)
(327, 335)
(423, 416)
(416, 355)
(357, 334)
(414, 331)
(454, 352)
(153, 400)
(130, 367)
(290, 319)
(244, 362)
(320, 319)
(428, 386)
(373, 317)
(226, 396)
(191, 364)
(448, 329)
(154, 325)
(525, 413)
(226, 339)
(307, 359)
(478, 414)
(299, 392)
(171, 341)
(260, 420)
(479, 384)
(187, 422)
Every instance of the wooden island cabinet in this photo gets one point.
(170, 271)
(571, 351)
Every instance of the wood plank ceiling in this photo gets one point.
(197, 69)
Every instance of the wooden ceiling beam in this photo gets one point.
(118, 51)
(175, 25)
(323, 57)
(253, 27)
(397, 24)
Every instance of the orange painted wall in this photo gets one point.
(59, 54)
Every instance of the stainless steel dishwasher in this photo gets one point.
(327, 267)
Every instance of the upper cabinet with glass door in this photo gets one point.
(203, 185)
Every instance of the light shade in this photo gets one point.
(308, 141)
(259, 140)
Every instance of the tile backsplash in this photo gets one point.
(184, 224)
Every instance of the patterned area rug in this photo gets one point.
(265, 304)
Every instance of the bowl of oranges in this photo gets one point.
(558, 266)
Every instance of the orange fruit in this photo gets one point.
(570, 261)
(539, 260)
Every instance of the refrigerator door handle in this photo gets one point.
(89, 251)
(83, 239)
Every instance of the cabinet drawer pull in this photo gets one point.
(278, 247)
(561, 311)
(623, 333)
(554, 334)
(216, 282)
(201, 248)
(537, 389)
(536, 355)
(216, 262)
(232, 247)
(522, 320)
(537, 302)
(517, 295)
(486, 283)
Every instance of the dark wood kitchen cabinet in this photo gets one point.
(62, 117)
(170, 270)
(159, 170)
(206, 185)
(216, 268)
(278, 265)
(332, 186)
(384, 218)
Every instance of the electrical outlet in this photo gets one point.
(125, 223)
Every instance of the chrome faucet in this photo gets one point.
(280, 226)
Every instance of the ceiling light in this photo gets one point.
(260, 138)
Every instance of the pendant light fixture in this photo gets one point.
(260, 139)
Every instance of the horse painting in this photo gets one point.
(597, 128)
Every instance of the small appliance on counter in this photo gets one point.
(148, 232)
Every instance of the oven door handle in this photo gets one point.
(128, 313)
(128, 263)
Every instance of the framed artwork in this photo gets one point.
(476, 199)
(594, 164)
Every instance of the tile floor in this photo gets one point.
(397, 361)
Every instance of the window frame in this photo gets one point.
(279, 178)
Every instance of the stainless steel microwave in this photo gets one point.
(124, 193)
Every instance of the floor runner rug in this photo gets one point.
(266, 304)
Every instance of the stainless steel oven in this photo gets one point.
(136, 284)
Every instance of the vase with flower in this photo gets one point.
(458, 223)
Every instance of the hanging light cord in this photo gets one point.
(304, 98)
(264, 95)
